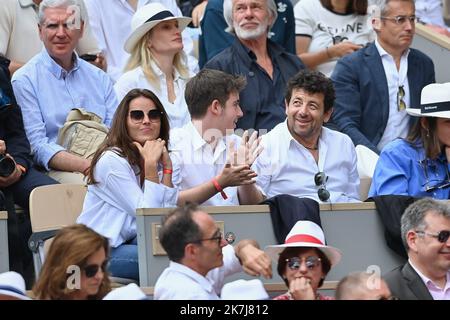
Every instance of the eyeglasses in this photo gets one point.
(400, 20)
(217, 238)
(92, 269)
(442, 236)
(401, 105)
(153, 115)
(311, 262)
(320, 179)
(425, 163)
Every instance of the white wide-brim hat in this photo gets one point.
(305, 234)
(13, 285)
(148, 16)
(434, 101)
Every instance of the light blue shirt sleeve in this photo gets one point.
(42, 146)
(393, 171)
(46, 93)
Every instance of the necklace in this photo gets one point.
(312, 148)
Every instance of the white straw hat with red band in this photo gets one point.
(305, 234)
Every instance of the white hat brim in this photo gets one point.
(14, 294)
(333, 254)
(416, 112)
(137, 34)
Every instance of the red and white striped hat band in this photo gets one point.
(305, 234)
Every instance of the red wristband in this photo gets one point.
(168, 171)
(219, 188)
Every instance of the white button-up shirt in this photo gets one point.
(110, 205)
(398, 121)
(287, 167)
(194, 162)
(178, 282)
(177, 111)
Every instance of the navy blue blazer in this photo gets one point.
(11, 123)
(406, 284)
(361, 109)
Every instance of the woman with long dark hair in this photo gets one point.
(132, 169)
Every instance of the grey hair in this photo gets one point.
(45, 4)
(414, 216)
(382, 6)
(228, 13)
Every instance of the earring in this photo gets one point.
(428, 133)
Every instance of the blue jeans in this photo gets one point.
(123, 261)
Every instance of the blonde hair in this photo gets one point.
(141, 56)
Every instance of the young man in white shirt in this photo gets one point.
(211, 165)
(300, 156)
(200, 258)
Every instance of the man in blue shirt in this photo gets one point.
(266, 65)
(55, 81)
(214, 38)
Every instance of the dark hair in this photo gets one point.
(426, 137)
(354, 6)
(209, 85)
(118, 136)
(178, 229)
(312, 82)
(291, 252)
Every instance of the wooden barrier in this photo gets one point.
(4, 256)
(355, 228)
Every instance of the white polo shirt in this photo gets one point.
(194, 162)
(287, 167)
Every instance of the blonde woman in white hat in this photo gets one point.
(419, 165)
(304, 261)
(157, 61)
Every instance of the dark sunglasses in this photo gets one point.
(311, 262)
(91, 269)
(442, 236)
(401, 105)
(441, 184)
(153, 115)
(320, 179)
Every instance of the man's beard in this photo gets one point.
(252, 33)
